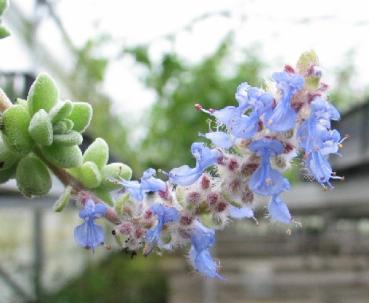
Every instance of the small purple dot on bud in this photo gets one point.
(186, 219)
(221, 206)
(233, 164)
(205, 182)
(212, 198)
(193, 197)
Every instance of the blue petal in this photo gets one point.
(225, 115)
(89, 235)
(204, 264)
(204, 155)
(278, 211)
(184, 175)
(282, 119)
(322, 109)
(240, 213)
(220, 139)
(244, 126)
(164, 215)
(134, 189)
(266, 147)
(283, 116)
(267, 181)
(92, 210)
(202, 237)
(151, 184)
(241, 95)
(288, 82)
(319, 166)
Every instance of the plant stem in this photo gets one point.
(60, 173)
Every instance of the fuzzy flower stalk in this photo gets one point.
(241, 161)
(243, 158)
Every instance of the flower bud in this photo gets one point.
(306, 60)
(81, 116)
(186, 219)
(232, 164)
(43, 94)
(193, 197)
(248, 168)
(33, 177)
(205, 182)
(16, 120)
(97, 152)
(212, 198)
(40, 128)
(247, 196)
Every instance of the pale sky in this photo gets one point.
(282, 29)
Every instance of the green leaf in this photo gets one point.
(81, 116)
(115, 171)
(7, 157)
(63, 127)
(97, 152)
(16, 120)
(7, 174)
(120, 202)
(104, 195)
(89, 175)
(33, 177)
(63, 156)
(61, 111)
(4, 32)
(43, 94)
(3, 5)
(40, 128)
(72, 138)
(63, 200)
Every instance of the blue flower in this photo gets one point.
(89, 234)
(240, 213)
(202, 240)
(283, 116)
(220, 139)
(321, 109)
(266, 180)
(278, 211)
(320, 167)
(253, 98)
(205, 157)
(243, 121)
(165, 215)
(148, 184)
(244, 126)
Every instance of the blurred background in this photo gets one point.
(143, 65)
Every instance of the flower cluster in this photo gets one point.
(251, 146)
